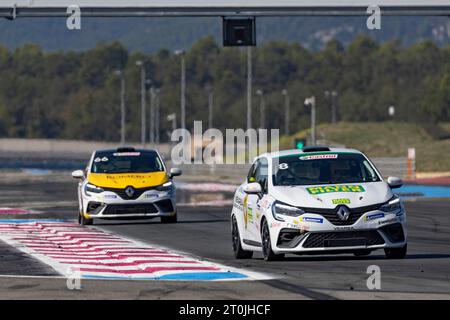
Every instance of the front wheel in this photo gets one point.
(396, 253)
(82, 220)
(268, 254)
(239, 253)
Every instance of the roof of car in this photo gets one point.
(128, 150)
(301, 151)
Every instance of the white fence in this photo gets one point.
(62, 149)
(393, 167)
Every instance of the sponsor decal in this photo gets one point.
(127, 154)
(374, 216)
(303, 228)
(341, 201)
(121, 181)
(151, 196)
(389, 221)
(319, 156)
(311, 219)
(250, 214)
(238, 203)
(130, 176)
(275, 225)
(110, 196)
(245, 211)
(333, 189)
(343, 228)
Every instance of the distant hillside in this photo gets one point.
(151, 34)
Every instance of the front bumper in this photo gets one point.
(314, 234)
(110, 205)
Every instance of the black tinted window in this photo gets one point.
(332, 168)
(127, 162)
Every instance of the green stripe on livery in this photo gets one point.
(332, 189)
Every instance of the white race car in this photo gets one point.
(126, 183)
(317, 201)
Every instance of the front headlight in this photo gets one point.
(392, 206)
(94, 189)
(168, 186)
(280, 209)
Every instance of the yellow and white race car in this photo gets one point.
(126, 183)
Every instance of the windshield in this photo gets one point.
(127, 162)
(329, 168)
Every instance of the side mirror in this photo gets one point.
(252, 188)
(394, 182)
(175, 172)
(78, 174)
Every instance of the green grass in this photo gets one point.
(387, 139)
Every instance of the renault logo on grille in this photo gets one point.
(343, 213)
(129, 191)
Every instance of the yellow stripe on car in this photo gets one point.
(123, 180)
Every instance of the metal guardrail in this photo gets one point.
(392, 167)
(61, 154)
(234, 171)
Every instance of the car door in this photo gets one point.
(252, 206)
(247, 209)
(261, 200)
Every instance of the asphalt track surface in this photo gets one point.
(205, 232)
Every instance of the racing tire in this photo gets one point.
(82, 220)
(171, 219)
(267, 251)
(362, 253)
(239, 253)
(396, 253)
